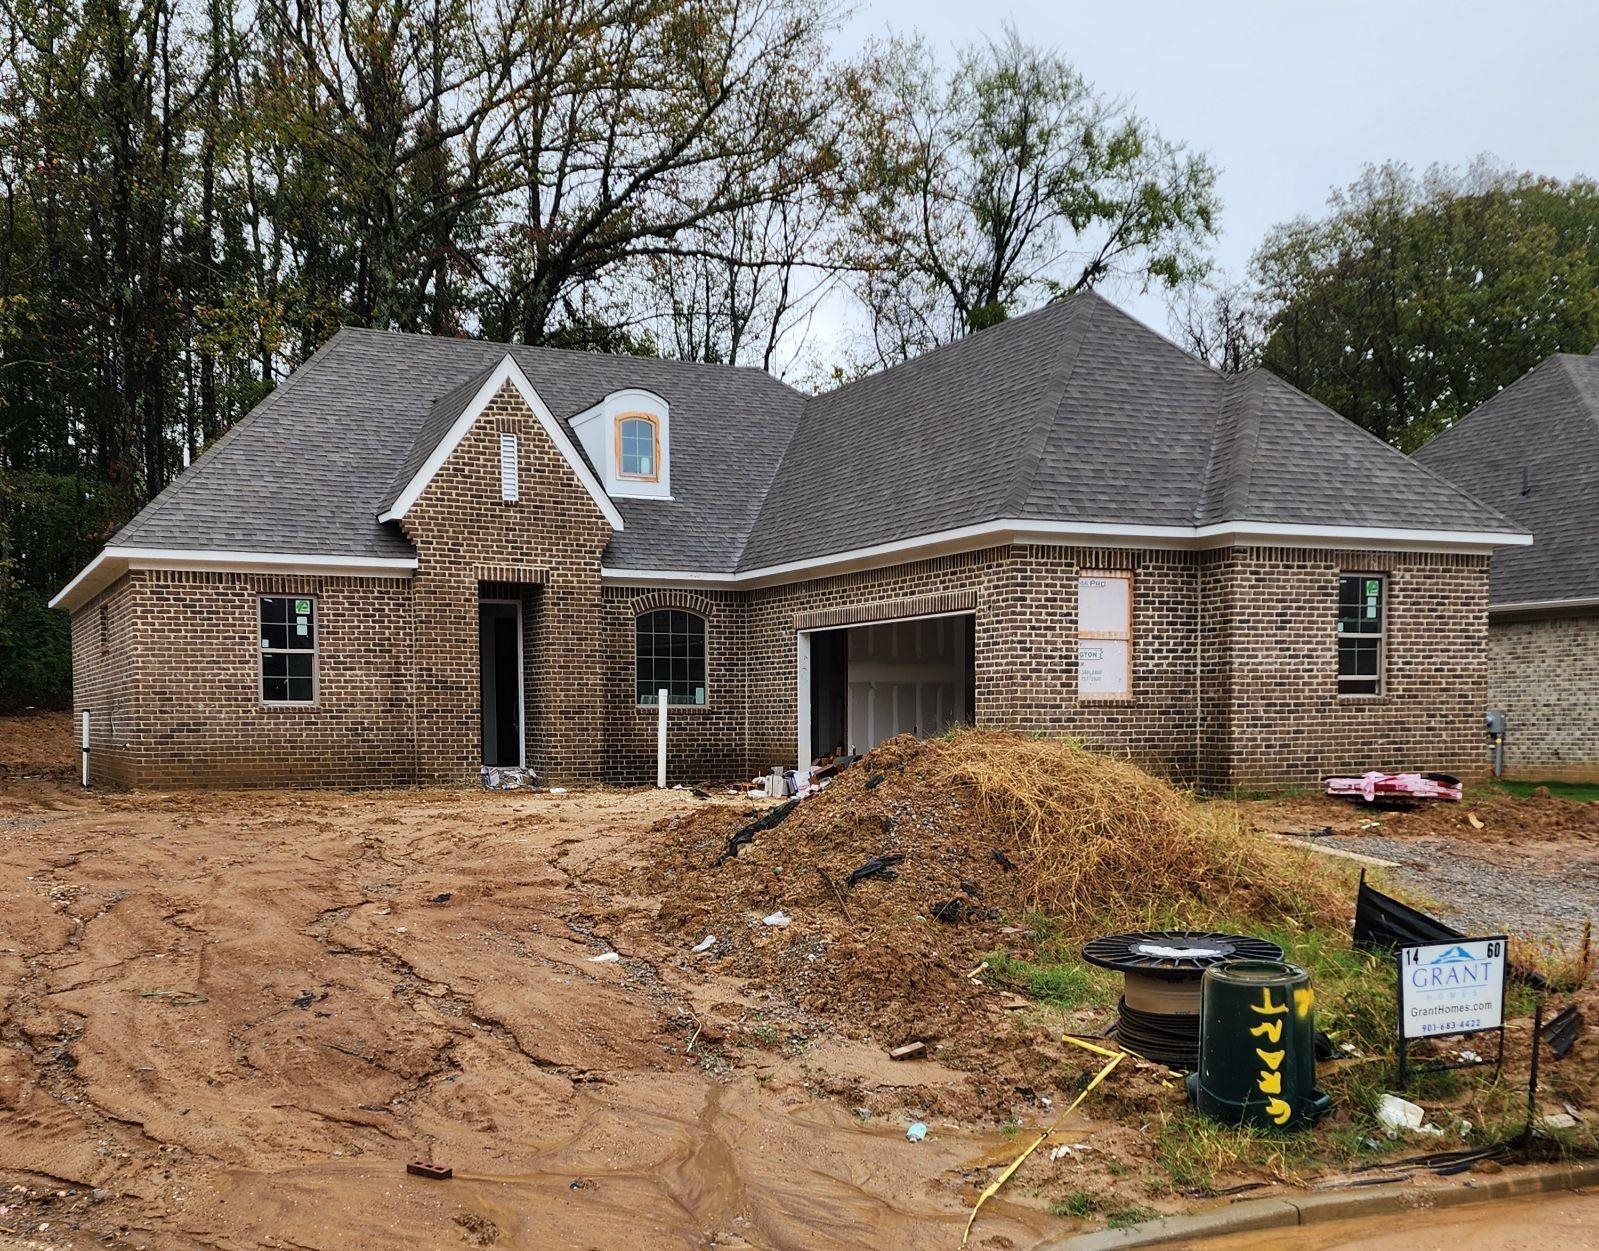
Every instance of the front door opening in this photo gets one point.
(869, 683)
(500, 661)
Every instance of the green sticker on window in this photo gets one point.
(303, 606)
(1372, 587)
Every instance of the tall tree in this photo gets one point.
(1414, 300)
(1006, 182)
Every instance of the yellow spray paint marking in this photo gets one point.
(1271, 1059)
(1278, 1111)
(1271, 1083)
(1266, 1007)
(1273, 1030)
(1304, 997)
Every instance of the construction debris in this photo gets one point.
(877, 866)
(909, 1051)
(1377, 787)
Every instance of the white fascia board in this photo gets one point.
(507, 371)
(1579, 604)
(113, 562)
(1089, 534)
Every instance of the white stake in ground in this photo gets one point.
(660, 740)
(85, 749)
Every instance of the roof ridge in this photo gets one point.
(1246, 448)
(1038, 437)
(1055, 306)
(673, 361)
(202, 463)
(1551, 361)
(1578, 383)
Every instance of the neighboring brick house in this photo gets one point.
(422, 555)
(1532, 453)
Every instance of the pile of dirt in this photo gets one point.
(1539, 817)
(37, 745)
(991, 841)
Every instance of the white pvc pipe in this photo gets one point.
(660, 739)
(86, 748)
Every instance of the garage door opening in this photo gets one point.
(863, 684)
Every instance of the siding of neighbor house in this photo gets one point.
(1544, 672)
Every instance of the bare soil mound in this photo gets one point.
(988, 840)
(37, 745)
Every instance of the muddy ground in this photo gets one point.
(229, 1020)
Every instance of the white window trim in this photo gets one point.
(315, 651)
(1381, 636)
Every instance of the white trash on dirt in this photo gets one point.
(705, 944)
(779, 919)
(1395, 1114)
(916, 1132)
(610, 957)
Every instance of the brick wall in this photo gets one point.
(548, 543)
(1273, 713)
(709, 742)
(1545, 674)
(1025, 623)
(1234, 653)
(175, 700)
(103, 665)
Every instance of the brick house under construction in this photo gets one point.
(421, 555)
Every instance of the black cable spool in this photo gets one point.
(1157, 1016)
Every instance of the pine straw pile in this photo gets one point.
(995, 830)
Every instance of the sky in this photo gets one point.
(1291, 98)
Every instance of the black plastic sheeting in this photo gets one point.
(1383, 923)
(747, 834)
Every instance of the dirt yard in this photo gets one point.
(230, 1019)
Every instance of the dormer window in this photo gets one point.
(627, 437)
(638, 448)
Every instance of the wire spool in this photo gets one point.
(1162, 971)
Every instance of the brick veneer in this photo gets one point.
(1271, 709)
(1234, 653)
(175, 699)
(1544, 672)
(549, 542)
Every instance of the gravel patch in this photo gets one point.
(1535, 890)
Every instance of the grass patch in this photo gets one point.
(1064, 982)
(1079, 1203)
(1578, 792)
(1125, 1217)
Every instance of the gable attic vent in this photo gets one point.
(508, 481)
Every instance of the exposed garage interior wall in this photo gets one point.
(871, 682)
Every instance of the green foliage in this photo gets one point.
(1125, 1217)
(1064, 981)
(1005, 181)
(1079, 1203)
(1414, 300)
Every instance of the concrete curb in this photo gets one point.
(1310, 1209)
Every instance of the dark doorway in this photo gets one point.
(500, 661)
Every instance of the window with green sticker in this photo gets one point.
(1361, 645)
(288, 650)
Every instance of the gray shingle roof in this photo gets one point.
(1532, 452)
(1075, 412)
(310, 468)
